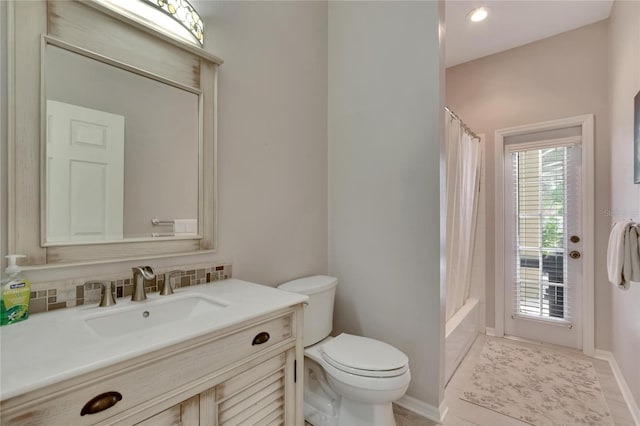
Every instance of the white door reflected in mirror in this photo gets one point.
(85, 174)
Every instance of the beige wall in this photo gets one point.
(272, 143)
(557, 77)
(624, 83)
(385, 122)
(272, 136)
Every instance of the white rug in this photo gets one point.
(537, 386)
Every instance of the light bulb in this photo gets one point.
(479, 14)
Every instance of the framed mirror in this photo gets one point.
(121, 151)
(112, 137)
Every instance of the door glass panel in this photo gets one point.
(540, 208)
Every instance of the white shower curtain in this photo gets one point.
(463, 181)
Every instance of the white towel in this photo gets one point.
(631, 266)
(615, 252)
(185, 226)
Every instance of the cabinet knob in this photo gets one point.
(101, 402)
(260, 338)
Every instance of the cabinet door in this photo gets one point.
(259, 396)
(187, 413)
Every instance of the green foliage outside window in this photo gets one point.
(553, 198)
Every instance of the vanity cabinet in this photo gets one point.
(246, 374)
(187, 413)
(256, 396)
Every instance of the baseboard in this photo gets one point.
(622, 383)
(490, 331)
(433, 413)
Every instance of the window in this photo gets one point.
(541, 197)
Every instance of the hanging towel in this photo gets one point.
(615, 252)
(631, 265)
(185, 226)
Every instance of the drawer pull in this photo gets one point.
(101, 402)
(261, 338)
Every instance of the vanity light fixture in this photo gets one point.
(478, 14)
(184, 13)
(176, 18)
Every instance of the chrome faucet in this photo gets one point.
(141, 274)
(167, 289)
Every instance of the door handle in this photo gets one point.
(575, 254)
(574, 239)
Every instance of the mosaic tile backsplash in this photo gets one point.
(57, 295)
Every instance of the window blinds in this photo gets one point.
(543, 186)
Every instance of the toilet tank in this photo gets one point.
(318, 314)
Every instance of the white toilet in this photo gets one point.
(349, 380)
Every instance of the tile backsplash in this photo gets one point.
(47, 296)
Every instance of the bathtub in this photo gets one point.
(460, 332)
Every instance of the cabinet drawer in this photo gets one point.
(151, 377)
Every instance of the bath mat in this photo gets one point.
(537, 387)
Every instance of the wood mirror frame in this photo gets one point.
(95, 28)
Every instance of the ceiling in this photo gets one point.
(513, 23)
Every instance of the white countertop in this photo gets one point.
(54, 346)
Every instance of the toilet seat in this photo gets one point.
(364, 357)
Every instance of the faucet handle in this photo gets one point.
(166, 288)
(141, 274)
(146, 272)
(106, 297)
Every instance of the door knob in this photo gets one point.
(574, 254)
(574, 239)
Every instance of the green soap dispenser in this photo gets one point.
(15, 293)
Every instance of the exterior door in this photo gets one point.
(84, 174)
(543, 240)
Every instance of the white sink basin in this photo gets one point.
(140, 316)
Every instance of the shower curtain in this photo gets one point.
(463, 181)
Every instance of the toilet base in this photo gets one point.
(353, 413)
(348, 400)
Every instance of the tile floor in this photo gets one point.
(462, 413)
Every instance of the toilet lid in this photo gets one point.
(364, 357)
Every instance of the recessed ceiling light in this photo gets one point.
(478, 14)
